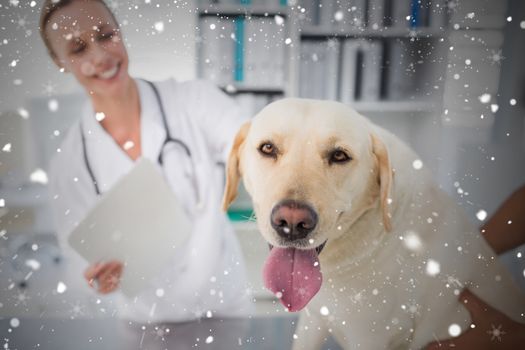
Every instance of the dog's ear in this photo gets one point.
(384, 178)
(233, 171)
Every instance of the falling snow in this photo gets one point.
(481, 215)
(61, 288)
(485, 98)
(128, 145)
(324, 311)
(417, 164)
(412, 241)
(454, 330)
(159, 26)
(279, 20)
(100, 116)
(23, 113)
(53, 105)
(433, 267)
(39, 176)
(495, 332)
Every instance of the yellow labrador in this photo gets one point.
(362, 239)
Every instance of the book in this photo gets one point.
(239, 49)
(319, 64)
(400, 74)
(327, 10)
(376, 14)
(438, 14)
(353, 13)
(264, 52)
(399, 13)
(371, 66)
(311, 13)
(349, 81)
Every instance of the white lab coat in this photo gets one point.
(208, 274)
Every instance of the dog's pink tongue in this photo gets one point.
(294, 275)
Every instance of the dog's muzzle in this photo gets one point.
(293, 220)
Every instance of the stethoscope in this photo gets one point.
(169, 139)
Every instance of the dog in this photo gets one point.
(360, 235)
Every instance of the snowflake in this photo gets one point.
(21, 23)
(412, 308)
(76, 32)
(358, 297)
(77, 310)
(49, 88)
(21, 298)
(496, 57)
(198, 312)
(495, 332)
(159, 332)
(301, 291)
(452, 281)
(332, 44)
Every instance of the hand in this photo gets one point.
(493, 330)
(105, 274)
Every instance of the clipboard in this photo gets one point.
(140, 222)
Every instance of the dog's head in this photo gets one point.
(312, 169)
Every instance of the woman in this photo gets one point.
(184, 128)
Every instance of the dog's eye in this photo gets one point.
(268, 149)
(339, 156)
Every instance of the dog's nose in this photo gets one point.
(293, 219)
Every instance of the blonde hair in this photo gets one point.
(51, 6)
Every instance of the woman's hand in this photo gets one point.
(493, 330)
(104, 276)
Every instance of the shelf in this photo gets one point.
(300, 32)
(395, 106)
(242, 88)
(248, 10)
(388, 32)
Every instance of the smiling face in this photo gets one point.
(85, 40)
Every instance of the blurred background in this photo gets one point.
(445, 76)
